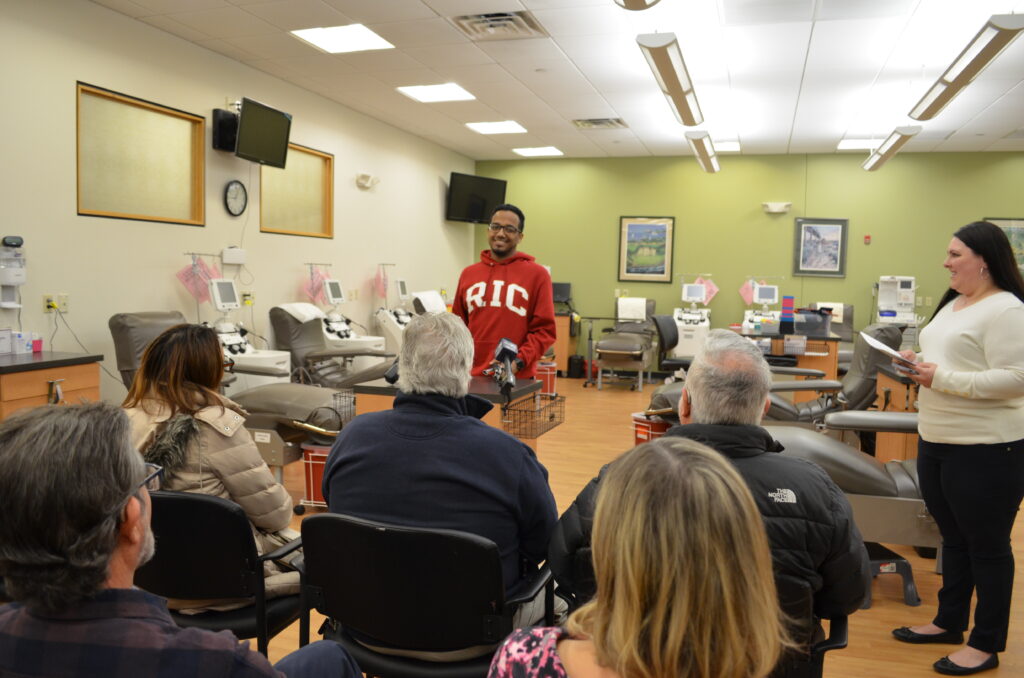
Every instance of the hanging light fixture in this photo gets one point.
(704, 150)
(890, 147)
(636, 5)
(998, 32)
(666, 62)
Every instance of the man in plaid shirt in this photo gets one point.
(74, 496)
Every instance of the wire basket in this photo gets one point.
(344, 403)
(530, 418)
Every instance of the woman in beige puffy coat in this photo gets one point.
(180, 422)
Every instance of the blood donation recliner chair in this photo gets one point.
(856, 391)
(281, 416)
(630, 343)
(299, 329)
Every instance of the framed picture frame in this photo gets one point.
(299, 199)
(645, 249)
(1014, 230)
(819, 247)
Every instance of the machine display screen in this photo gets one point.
(335, 295)
(225, 295)
(906, 284)
(403, 291)
(694, 293)
(767, 294)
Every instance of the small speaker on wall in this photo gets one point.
(225, 130)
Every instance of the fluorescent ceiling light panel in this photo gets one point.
(890, 147)
(666, 61)
(503, 127)
(991, 40)
(636, 5)
(429, 94)
(704, 150)
(537, 151)
(341, 39)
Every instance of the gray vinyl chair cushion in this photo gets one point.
(291, 401)
(132, 333)
(624, 342)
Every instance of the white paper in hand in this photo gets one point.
(879, 346)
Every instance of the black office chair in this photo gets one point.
(668, 337)
(797, 601)
(414, 588)
(205, 550)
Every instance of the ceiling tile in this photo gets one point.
(408, 78)
(534, 49)
(166, 23)
(229, 50)
(380, 60)
(274, 45)
(462, 7)
(463, 54)
(127, 7)
(317, 66)
(175, 6)
(421, 33)
(226, 22)
(291, 15)
(374, 11)
(572, 21)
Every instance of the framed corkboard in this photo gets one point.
(138, 159)
(299, 199)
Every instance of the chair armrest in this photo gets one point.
(310, 428)
(347, 353)
(798, 372)
(299, 564)
(881, 422)
(838, 635)
(822, 385)
(528, 588)
(282, 551)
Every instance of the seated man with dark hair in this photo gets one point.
(74, 496)
(808, 519)
(431, 462)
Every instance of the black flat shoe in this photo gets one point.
(905, 635)
(949, 668)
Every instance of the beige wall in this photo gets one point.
(111, 265)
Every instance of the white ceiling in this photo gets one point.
(779, 76)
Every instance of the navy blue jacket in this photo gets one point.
(431, 462)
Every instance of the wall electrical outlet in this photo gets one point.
(49, 301)
(248, 298)
(62, 302)
(353, 295)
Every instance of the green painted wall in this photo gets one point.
(910, 208)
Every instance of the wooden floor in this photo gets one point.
(598, 428)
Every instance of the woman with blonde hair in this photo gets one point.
(673, 518)
(180, 421)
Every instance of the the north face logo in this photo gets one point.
(783, 496)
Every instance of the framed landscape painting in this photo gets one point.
(645, 249)
(819, 247)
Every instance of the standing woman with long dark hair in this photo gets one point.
(971, 450)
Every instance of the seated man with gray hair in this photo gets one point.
(808, 519)
(74, 496)
(430, 461)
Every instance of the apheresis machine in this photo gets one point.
(763, 320)
(692, 323)
(253, 367)
(391, 322)
(338, 332)
(896, 294)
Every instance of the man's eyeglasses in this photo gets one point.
(153, 479)
(508, 228)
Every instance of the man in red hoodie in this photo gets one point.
(507, 295)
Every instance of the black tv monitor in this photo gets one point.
(263, 134)
(561, 292)
(472, 198)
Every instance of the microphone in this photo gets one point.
(505, 353)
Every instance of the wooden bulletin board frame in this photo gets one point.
(299, 200)
(137, 159)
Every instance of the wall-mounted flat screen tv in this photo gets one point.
(263, 134)
(472, 198)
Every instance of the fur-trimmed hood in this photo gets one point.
(170, 442)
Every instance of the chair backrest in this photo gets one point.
(298, 338)
(859, 383)
(668, 333)
(627, 314)
(409, 587)
(132, 333)
(797, 600)
(204, 549)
